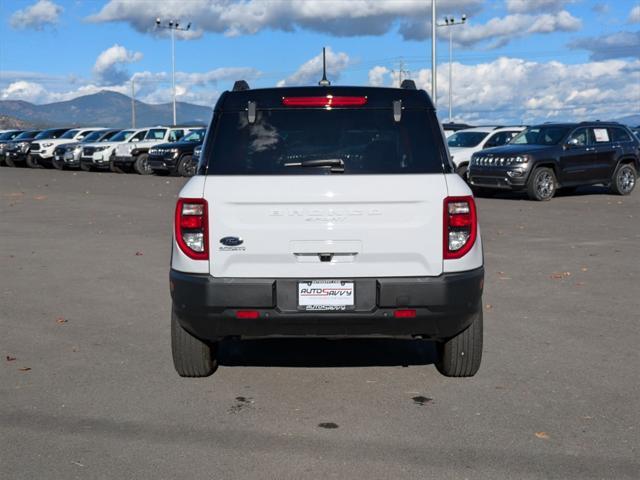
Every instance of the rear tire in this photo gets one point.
(141, 165)
(32, 162)
(114, 168)
(460, 356)
(191, 356)
(9, 162)
(57, 164)
(624, 179)
(542, 184)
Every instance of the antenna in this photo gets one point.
(324, 82)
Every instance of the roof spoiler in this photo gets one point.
(408, 84)
(240, 86)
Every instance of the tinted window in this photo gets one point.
(92, 137)
(30, 134)
(194, 136)
(139, 136)
(156, 134)
(580, 137)
(175, 135)
(70, 134)
(52, 133)
(466, 139)
(365, 141)
(122, 136)
(108, 136)
(9, 135)
(619, 135)
(543, 135)
(500, 138)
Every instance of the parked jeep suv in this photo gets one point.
(326, 211)
(546, 157)
(136, 155)
(464, 143)
(177, 158)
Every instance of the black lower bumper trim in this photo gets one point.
(445, 305)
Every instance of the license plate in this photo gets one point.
(68, 156)
(326, 295)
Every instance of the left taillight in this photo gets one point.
(460, 226)
(192, 227)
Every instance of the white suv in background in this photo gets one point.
(99, 154)
(42, 151)
(464, 143)
(326, 211)
(135, 155)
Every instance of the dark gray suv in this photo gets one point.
(544, 158)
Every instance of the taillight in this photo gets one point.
(460, 226)
(327, 101)
(191, 228)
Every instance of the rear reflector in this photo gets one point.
(327, 101)
(460, 226)
(247, 314)
(191, 228)
(405, 313)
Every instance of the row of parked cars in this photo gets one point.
(542, 159)
(162, 150)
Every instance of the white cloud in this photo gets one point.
(501, 30)
(335, 17)
(634, 14)
(615, 45)
(37, 16)
(528, 6)
(151, 87)
(494, 93)
(376, 76)
(310, 72)
(108, 67)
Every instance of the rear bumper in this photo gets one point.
(123, 161)
(96, 160)
(444, 305)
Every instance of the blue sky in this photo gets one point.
(514, 60)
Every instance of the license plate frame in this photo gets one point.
(326, 296)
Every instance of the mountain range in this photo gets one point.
(105, 108)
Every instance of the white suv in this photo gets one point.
(100, 154)
(326, 211)
(464, 143)
(42, 151)
(135, 155)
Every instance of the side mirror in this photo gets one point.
(572, 143)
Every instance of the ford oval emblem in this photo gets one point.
(231, 241)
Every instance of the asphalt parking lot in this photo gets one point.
(88, 390)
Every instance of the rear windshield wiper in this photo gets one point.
(336, 164)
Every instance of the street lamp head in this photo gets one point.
(158, 22)
(171, 23)
(188, 25)
(446, 20)
(464, 18)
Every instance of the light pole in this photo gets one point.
(450, 22)
(434, 89)
(173, 25)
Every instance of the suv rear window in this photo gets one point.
(368, 141)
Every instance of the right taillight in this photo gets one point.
(191, 228)
(460, 226)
